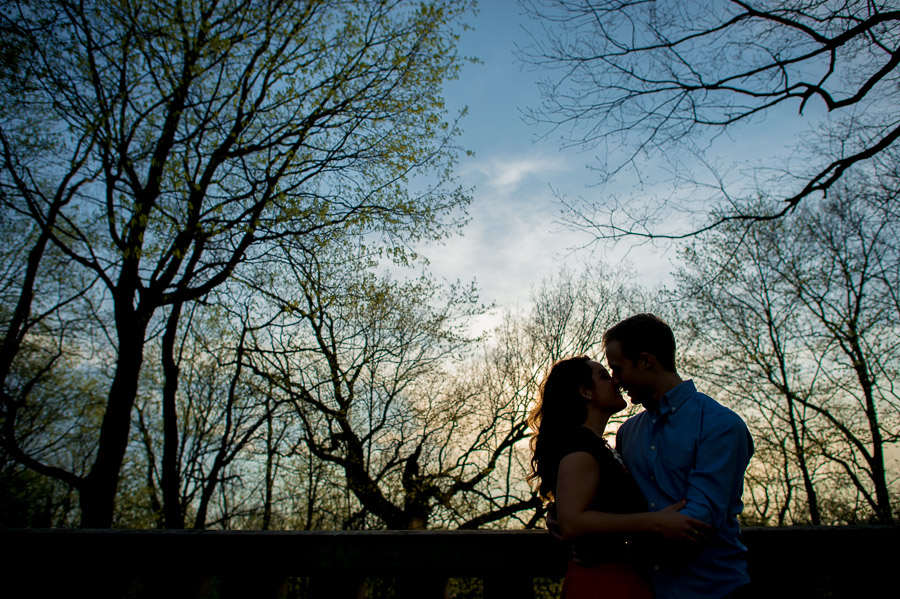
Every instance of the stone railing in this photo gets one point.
(832, 562)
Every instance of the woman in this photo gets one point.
(599, 509)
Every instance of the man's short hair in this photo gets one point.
(644, 333)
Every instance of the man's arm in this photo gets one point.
(578, 480)
(715, 484)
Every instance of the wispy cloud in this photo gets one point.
(510, 242)
(505, 175)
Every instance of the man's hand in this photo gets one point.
(553, 522)
(675, 526)
(556, 531)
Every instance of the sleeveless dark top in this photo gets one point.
(616, 493)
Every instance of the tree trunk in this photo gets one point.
(98, 495)
(171, 477)
(270, 468)
(883, 511)
(811, 496)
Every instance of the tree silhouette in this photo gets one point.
(159, 147)
(643, 82)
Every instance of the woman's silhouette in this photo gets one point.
(596, 506)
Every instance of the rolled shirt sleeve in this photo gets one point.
(715, 482)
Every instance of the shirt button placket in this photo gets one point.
(653, 444)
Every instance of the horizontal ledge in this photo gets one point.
(458, 553)
(455, 553)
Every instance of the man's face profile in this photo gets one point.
(625, 374)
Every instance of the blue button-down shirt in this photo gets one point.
(696, 449)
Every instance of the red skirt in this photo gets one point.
(609, 580)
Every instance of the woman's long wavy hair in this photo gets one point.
(559, 410)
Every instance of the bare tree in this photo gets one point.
(796, 328)
(367, 363)
(643, 82)
(748, 324)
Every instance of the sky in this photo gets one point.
(514, 239)
(511, 242)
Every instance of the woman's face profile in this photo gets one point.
(605, 395)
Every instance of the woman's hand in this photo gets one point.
(673, 525)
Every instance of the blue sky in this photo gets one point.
(513, 240)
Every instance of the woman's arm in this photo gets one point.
(579, 477)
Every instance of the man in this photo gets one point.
(683, 445)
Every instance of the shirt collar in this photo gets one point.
(675, 397)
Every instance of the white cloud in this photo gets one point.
(511, 241)
(503, 176)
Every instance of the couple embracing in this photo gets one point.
(657, 515)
